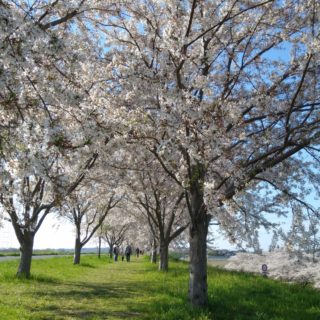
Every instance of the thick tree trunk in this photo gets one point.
(164, 256)
(77, 251)
(198, 289)
(26, 248)
(154, 252)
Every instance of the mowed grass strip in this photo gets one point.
(103, 289)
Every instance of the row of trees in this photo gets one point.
(193, 111)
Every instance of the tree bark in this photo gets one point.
(111, 251)
(26, 247)
(198, 288)
(99, 248)
(164, 256)
(154, 252)
(77, 251)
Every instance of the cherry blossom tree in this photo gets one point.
(296, 237)
(223, 94)
(281, 265)
(163, 206)
(29, 192)
(313, 245)
(115, 230)
(303, 235)
(87, 210)
(202, 87)
(274, 242)
(141, 233)
(154, 199)
(44, 99)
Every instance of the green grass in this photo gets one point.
(102, 289)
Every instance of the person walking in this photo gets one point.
(137, 252)
(116, 253)
(128, 252)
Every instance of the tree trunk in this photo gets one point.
(77, 251)
(99, 248)
(198, 291)
(198, 288)
(154, 252)
(26, 248)
(111, 251)
(164, 256)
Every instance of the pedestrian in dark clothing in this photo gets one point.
(137, 252)
(128, 252)
(116, 253)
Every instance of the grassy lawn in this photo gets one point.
(102, 289)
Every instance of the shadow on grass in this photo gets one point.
(11, 277)
(248, 297)
(163, 296)
(79, 291)
(44, 279)
(121, 300)
(86, 265)
(82, 301)
(93, 314)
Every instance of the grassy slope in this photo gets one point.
(100, 289)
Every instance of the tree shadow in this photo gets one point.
(86, 265)
(44, 279)
(237, 296)
(256, 298)
(33, 278)
(82, 299)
